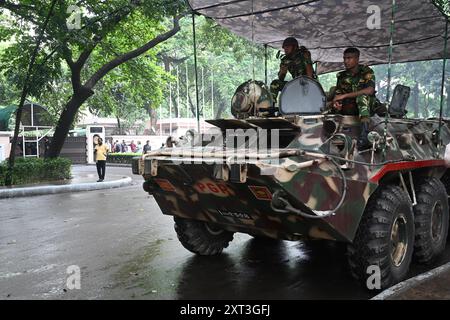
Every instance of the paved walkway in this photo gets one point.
(84, 178)
(431, 285)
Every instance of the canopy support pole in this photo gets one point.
(265, 64)
(391, 49)
(197, 97)
(388, 93)
(444, 65)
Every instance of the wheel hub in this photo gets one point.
(213, 229)
(436, 222)
(399, 240)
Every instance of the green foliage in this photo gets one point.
(226, 60)
(32, 170)
(444, 6)
(124, 158)
(157, 79)
(108, 29)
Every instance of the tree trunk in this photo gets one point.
(119, 125)
(65, 121)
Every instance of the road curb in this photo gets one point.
(43, 190)
(401, 287)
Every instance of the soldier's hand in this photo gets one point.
(339, 97)
(283, 69)
(337, 105)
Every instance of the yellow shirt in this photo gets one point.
(101, 153)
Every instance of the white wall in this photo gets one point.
(6, 145)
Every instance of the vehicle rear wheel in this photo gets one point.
(201, 237)
(385, 238)
(431, 218)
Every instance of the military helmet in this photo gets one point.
(290, 41)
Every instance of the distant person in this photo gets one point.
(46, 146)
(109, 145)
(139, 148)
(101, 152)
(133, 146)
(169, 142)
(147, 147)
(123, 147)
(117, 147)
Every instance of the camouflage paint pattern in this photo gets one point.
(193, 191)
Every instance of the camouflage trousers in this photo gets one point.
(365, 104)
(276, 87)
(361, 106)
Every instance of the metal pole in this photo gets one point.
(388, 94)
(212, 94)
(444, 64)
(170, 103)
(265, 64)
(178, 92)
(160, 120)
(187, 90)
(32, 114)
(391, 49)
(196, 73)
(203, 92)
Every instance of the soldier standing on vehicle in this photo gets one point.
(355, 92)
(297, 61)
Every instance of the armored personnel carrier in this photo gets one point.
(296, 172)
(302, 177)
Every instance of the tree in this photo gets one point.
(112, 34)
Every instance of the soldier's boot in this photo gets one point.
(363, 141)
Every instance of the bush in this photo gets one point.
(31, 170)
(124, 158)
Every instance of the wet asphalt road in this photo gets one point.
(127, 249)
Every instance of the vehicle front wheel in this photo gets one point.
(201, 237)
(431, 219)
(385, 238)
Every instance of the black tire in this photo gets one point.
(388, 209)
(431, 219)
(202, 238)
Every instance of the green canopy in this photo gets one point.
(40, 116)
(5, 115)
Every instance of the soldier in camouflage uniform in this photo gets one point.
(296, 61)
(355, 92)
